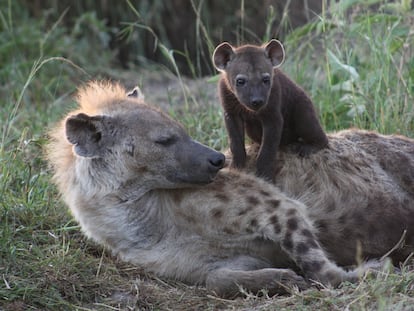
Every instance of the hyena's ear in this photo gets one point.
(136, 93)
(275, 51)
(222, 55)
(85, 133)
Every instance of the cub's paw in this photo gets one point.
(304, 150)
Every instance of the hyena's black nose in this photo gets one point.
(217, 160)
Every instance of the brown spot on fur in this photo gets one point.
(249, 230)
(216, 213)
(273, 203)
(244, 211)
(264, 193)
(277, 228)
(291, 212)
(273, 219)
(228, 230)
(141, 170)
(302, 248)
(222, 197)
(245, 184)
(310, 238)
(269, 210)
(287, 241)
(366, 179)
(220, 183)
(307, 233)
(292, 224)
(253, 222)
(253, 200)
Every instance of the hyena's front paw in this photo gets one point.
(228, 283)
(372, 267)
(291, 279)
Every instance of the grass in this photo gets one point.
(357, 64)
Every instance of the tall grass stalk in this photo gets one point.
(169, 54)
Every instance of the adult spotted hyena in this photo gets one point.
(137, 183)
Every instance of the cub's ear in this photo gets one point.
(222, 55)
(275, 51)
(85, 133)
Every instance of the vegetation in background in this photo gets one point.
(357, 63)
(190, 28)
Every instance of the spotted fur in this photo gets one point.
(138, 184)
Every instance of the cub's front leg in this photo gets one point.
(266, 158)
(235, 129)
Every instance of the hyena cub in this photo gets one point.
(137, 183)
(257, 97)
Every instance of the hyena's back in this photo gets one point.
(360, 189)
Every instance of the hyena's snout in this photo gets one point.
(200, 163)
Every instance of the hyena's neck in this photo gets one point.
(122, 225)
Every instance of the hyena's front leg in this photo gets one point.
(227, 283)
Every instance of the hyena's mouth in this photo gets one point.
(194, 179)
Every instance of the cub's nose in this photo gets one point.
(257, 102)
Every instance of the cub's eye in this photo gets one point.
(165, 140)
(266, 80)
(241, 81)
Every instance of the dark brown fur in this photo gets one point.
(259, 98)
